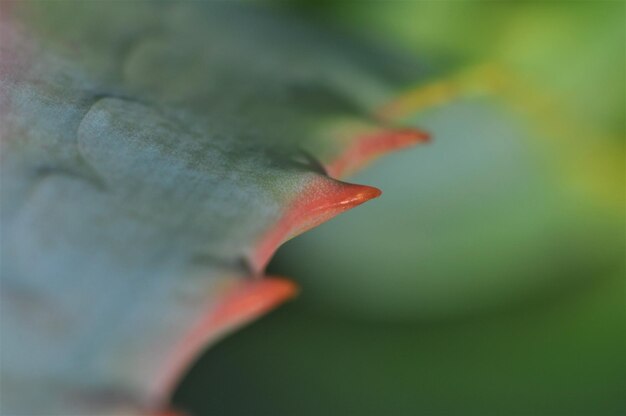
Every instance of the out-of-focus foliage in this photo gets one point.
(572, 51)
(480, 218)
(523, 187)
(489, 279)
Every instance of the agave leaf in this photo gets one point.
(154, 156)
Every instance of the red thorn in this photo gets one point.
(250, 300)
(367, 147)
(243, 302)
(165, 413)
(320, 201)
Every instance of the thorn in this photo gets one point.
(320, 201)
(370, 146)
(167, 412)
(242, 302)
(249, 300)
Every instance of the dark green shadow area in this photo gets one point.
(562, 356)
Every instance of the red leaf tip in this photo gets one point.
(250, 300)
(367, 147)
(240, 303)
(165, 413)
(320, 201)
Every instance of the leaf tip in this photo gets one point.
(321, 200)
(369, 146)
(241, 303)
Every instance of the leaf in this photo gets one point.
(154, 156)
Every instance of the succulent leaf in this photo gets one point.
(153, 157)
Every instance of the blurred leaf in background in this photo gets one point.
(489, 279)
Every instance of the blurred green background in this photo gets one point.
(489, 278)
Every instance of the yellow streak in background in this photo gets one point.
(595, 168)
(480, 80)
